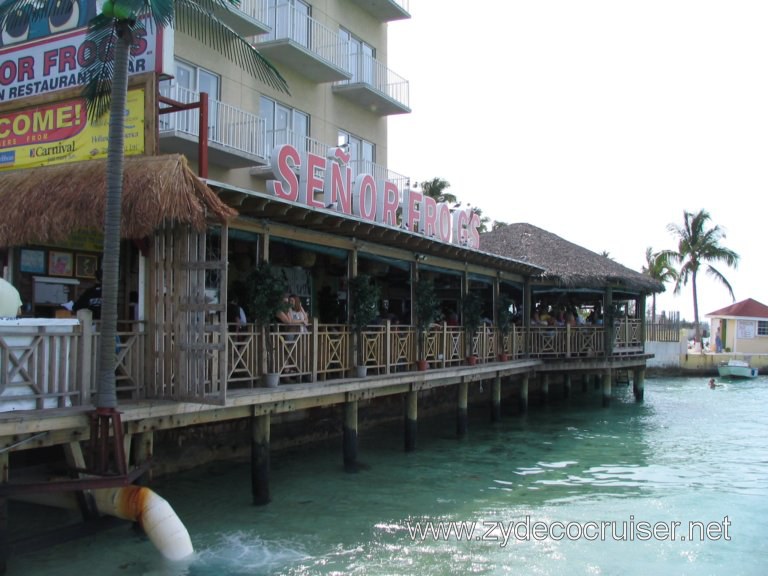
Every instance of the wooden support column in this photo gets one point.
(544, 379)
(607, 388)
(567, 385)
(73, 454)
(260, 430)
(496, 399)
(462, 412)
(638, 384)
(411, 419)
(523, 403)
(585, 383)
(143, 447)
(4, 531)
(350, 436)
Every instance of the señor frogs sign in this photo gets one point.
(327, 182)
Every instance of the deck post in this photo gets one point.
(143, 446)
(350, 436)
(4, 532)
(567, 386)
(260, 429)
(73, 454)
(462, 412)
(606, 388)
(638, 384)
(496, 399)
(544, 388)
(523, 402)
(411, 419)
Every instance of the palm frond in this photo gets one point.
(17, 13)
(97, 91)
(195, 19)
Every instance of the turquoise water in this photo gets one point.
(687, 454)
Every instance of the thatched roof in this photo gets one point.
(565, 263)
(48, 204)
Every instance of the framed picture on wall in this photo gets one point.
(32, 261)
(85, 265)
(59, 263)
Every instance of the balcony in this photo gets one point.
(306, 144)
(385, 10)
(249, 18)
(236, 139)
(301, 43)
(375, 87)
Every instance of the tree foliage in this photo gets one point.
(698, 248)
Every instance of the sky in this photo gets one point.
(601, 121)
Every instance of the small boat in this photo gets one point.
(736, 369)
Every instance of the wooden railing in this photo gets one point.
(48, 368)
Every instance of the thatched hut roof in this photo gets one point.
(48, 204)
(566, 264)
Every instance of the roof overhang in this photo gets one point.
(263, 206)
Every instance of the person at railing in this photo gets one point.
(10, 300)
(297, 314)
(91, 298)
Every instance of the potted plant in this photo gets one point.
(364, 308)
(266, 296)
(472, 310)
(504, 322)
(427, 311)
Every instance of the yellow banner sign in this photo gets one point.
(60, 132)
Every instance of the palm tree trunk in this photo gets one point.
(106, 395)
(697, 331)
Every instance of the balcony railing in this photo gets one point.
(229, 127)
(249, 18)
(385, 10)
(296, 40)
(305, 144)
(374, 86)
(45, 368)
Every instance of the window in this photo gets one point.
(284, 125)
(191, 80)
(289, 19)
(362, 153)
(762, 327)
(361, 58)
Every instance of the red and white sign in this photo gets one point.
(308, 177)
(58, 62)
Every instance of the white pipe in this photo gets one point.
(152, 512)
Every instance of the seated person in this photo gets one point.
(91, 298)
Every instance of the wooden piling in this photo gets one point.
(73, 455)
(638, 384)
(496, 399)
(523, 402)
(350, 436)
(260, 429)
(544, 379)
(462, 412)
(607, 388)
(411, 419)
(4, 532)
(567, 386)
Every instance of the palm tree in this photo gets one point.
(658, 266)
(697, 246)
(435, 188)
(107, 90)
